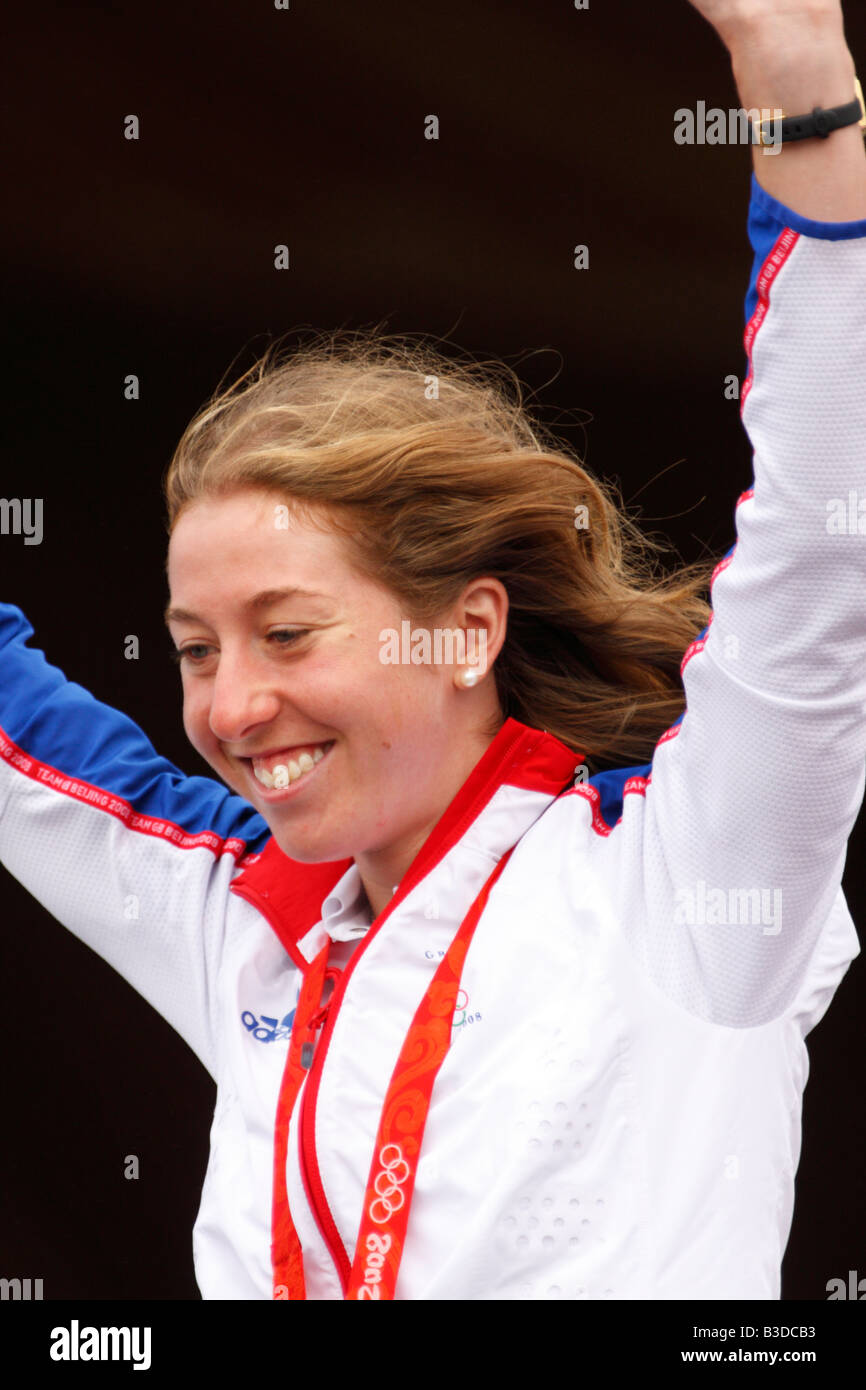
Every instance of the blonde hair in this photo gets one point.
(436, 474)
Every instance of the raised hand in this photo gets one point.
(791, 56)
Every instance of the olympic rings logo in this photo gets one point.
(388, 1184)
(461, 1004)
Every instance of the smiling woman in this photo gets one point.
(272, 678)
(432, 474)
(365, 505)
(481, 957)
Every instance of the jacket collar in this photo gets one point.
(291, 894)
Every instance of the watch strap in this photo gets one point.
(819, 122)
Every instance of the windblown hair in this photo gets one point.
(436, 474)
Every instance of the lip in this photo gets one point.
(290, 749)
(277, 794)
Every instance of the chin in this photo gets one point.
(312, 854)
(305, 852)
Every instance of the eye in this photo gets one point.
(184, 652)
(289, 634)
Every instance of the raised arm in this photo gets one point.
(115, 841)
(730, 853)
(791, 56)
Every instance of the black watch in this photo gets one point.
(818, 122)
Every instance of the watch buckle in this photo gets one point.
(758, 126)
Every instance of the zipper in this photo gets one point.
(317, 1022)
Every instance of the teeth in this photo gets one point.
(283, 774)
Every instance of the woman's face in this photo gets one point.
(282, 640)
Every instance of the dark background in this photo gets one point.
(155, 257)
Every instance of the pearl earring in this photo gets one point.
(468, 677)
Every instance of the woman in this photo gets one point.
(502, 963)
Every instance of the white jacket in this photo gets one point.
(619, 1113)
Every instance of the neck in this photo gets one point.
(382, 869)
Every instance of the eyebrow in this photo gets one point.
(265, 599)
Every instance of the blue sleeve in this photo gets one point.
(61, 726)
(134, 857)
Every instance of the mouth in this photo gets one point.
(277, 774)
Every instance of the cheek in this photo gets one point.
(404, 721)
(195, 722)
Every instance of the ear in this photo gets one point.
(481, 613)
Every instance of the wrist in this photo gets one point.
(793, 60)
(807, 24)
(792, 64)
(822, 180)
(791, 74)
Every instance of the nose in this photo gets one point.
(241, 696)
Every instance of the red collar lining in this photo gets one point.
(290, 894)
